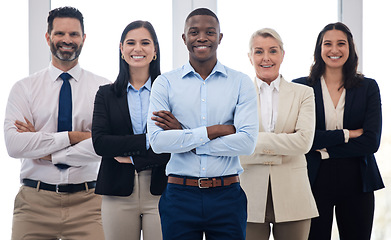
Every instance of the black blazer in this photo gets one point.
(362, 110)
(112, 135)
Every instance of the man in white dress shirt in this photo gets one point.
(59, 167)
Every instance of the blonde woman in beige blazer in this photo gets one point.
(275, 176)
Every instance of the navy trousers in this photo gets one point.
(338, 188)
(188, 212)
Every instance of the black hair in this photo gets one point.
(123, 77)
(202, 11)
(351, 78)
(63, 12)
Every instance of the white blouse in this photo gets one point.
(333, 115)
(268, 96)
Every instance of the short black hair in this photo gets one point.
(64, 12)
(202, 11)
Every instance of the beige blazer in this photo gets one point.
(280, 157)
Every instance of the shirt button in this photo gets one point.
(201, 139)
(203, 169)
(203, 100)
(203, 118)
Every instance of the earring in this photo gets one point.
(154, 57)
(123, 57)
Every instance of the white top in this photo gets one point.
(36, 98)
(268, 96)
(333, 115)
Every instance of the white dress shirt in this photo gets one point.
(36, 98)
(268, 97)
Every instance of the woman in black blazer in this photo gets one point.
(131, 176)
(341, 164)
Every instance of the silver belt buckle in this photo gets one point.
(199, 182)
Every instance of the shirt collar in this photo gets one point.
(274, 84)
(55, 73)
(147, 85)
(218, 68)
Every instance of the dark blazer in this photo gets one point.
(362, 110)
(112, 135)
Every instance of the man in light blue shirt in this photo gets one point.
(205, 114)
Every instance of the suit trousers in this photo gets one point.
(293, 230)
(188, 212)
(124, 217)
(338, 188)
(47, 215)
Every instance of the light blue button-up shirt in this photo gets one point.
(138, 104)
(226, 96)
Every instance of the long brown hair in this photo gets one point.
(351, 78)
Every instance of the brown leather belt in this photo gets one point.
(204, 182)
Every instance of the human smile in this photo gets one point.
(335, 57)
(202, 47)
(66, 47)
(267, 66)
(137, 57)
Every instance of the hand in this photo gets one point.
(216, 131)
(123, 159)
(76, 136)
(28, 127)
(47, 158)
(24, 127)
(166, 120)
(356, 133)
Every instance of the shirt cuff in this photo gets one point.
(201, 137)
(346, 134)
(131, 159)
(324, 154)
(60, 156)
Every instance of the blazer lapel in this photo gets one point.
(122, 103)
(348, 103)
(285, 101)
(261, 129)
(320, 117)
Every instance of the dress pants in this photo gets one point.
(124, 217)
(293, 230)
(47, 215)
(187, 212)
(338, 188)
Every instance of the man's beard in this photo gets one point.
(65, 55)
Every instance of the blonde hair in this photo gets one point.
(267, 32)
